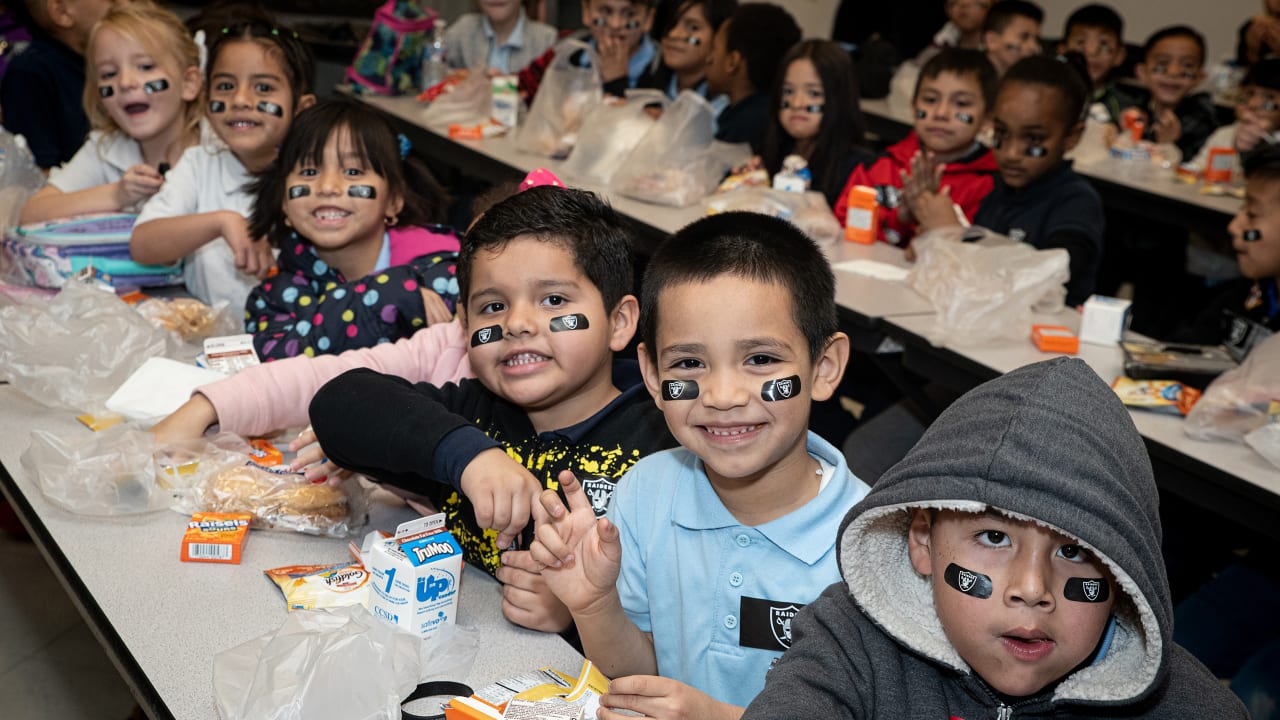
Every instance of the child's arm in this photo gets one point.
(169, 239)
(580, 559)
(139, 183)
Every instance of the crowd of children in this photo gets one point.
(670, 509)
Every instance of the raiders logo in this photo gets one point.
(571, 322)
(765, 624)
(485, 334)
(675, 389)
(967, 579)
(780, 389)
(784, 388)
(598, 490)
(780, 622)
(1091, 589)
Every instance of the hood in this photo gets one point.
(1049, 442)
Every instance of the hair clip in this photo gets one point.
(539, 177)
(405, 145)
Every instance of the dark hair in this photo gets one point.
(1263, 163)
(751, 246)
(1067, 73)
(1003, 13)
(717, 11)
(1183, 31)
(1263, 74)
(592, 231)
(842, 125)
(375, 143)
(962, 61)
(254, 23)
(762, 33)
(1095, 16)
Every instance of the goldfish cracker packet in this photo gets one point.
(307, 587)
(1164, 396)
(542, 694)
(215, 537)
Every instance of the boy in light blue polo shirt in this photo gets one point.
(501, 37)
(685, 593)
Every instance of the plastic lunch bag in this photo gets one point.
(673, 164)
(609, 133)
(983, 285)
(1238, 401)
(569, 90)
(808, 210)
(103, 473)
(470, 102)
(389, 61)
(20, 178)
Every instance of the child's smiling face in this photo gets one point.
(1031, 135)
(1172, 69)
(1102, 50)
(251, 101)
(688, 44)
(143, 92)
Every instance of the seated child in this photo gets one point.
(953, 98)
(1008, 567)
(345, 205)
(1260, 35)
(745, 58)
(144, 104)
(815, 103)
(1172, 66)
(1038, 198)
(1257, 117)
(44, 84)
(1097, 32)
(619, 31)
(1011, 32)
(501, 37)
(546, 275)
(1246, 311)
(963, 29)
(259, 75)
(686, 47)
(710, 549)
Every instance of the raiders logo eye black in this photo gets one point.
(781, 389)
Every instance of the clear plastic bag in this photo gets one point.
(983, 285)
(1266, 442)
(569, 90)
(808, 211)
(674, 163)
(104, 473)
(189, 319)
(336, 664)
(283, 500)
(470, 102)
(609, 133)
(1238, 400)
(20, 178)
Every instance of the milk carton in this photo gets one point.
(415, 576)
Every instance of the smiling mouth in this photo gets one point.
(524, 358)
(136, 108)
(243, 124)
(728, 432)
(330, 214)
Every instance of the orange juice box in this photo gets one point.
(215, 537)
(863, 218)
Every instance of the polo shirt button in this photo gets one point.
(743, 540)
(730, 622)
(735, 579)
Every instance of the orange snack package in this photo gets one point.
(1055, 338)
(863, 218)
(215, 537)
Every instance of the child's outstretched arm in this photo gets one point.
(662, 699)
(139, 183)
(580, 559)
(169, 239)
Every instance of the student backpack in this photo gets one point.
(389, 61)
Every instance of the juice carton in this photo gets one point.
(415, 576)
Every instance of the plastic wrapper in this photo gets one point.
(338, 664)
(569, 90)
(808, 210)
(1239, 400)
(283, 500)
(676, 163)
(103, 473)
(20, 178)
(609, 133)
(983, 285)
(468, 102)
(76, 349)
(1266, 442)
(188, 318)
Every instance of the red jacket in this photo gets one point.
(970, 179)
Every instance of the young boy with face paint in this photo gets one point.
(1011, 32)
(1171, 68)
(1009, 566)
(954, 95)
(1097, 32)
(684, 595)
(619, 31)
(543, 279)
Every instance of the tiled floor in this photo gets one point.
(51, 666)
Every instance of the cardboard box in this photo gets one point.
(1104, 321)
(415, 576)
(1055, 338)
(215, 537)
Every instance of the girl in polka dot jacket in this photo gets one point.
(357, 266)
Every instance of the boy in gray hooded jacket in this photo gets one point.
(1009, 566)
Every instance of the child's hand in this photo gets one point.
(526, 599)
(579, 557)
(755, 163)
(138, 183)
(253, 256)
(187, 422)
(436, 311)
(312, 461)
(502, 492)
(614, 57)
(924, 178)
(1250, 129)
(1167, 127)
(935, 210)
(663, 699)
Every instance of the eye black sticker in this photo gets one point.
(155, 86)
(679, 389)
(366, 192)
(217, 106)
(106, 91)
(486, 335)
(1035, 151)
(781, 389)
(922, 114)
(1252, 235)
(298, 191)
(693, 40)
(576, 321)
(1087, 590)
(270, 108)
(815, 108)
(968, 582)
(965, 118)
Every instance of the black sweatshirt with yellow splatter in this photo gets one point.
(420, 437)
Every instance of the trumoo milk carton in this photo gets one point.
(415, 576)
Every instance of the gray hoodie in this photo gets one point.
(1048, 442)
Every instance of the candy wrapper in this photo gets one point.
(1163, 396)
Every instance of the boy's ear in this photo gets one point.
(305, 102)
(989, 39)
(192, 81)
(919, 539)
(1073, 137)
(622, 322)
(649, 371)
(829, 367)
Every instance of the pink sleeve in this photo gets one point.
(275, 395)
